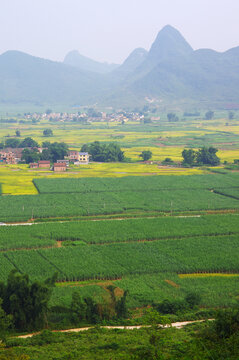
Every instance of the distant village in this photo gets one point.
(87, 117)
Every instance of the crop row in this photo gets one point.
(110, 231)
(210, 254)
(146, 289)
(136, 183)
(14, 208)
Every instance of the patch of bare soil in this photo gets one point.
(172, 283)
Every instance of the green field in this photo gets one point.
(83, 197)
(149, 229)
(116, 231)
(111, 261)
(133, 183)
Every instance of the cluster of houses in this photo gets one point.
(73, 156)
(14, 156)
(46, 164)
(118, 116)
(11, 155)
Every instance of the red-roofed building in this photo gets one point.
(59, 167)
(44, 164)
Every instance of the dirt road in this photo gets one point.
(177, 325)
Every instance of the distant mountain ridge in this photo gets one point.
(170, 70)
(74, 58)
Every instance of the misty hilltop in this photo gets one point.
(74, 58)
(170, 70)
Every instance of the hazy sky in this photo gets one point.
(108, 30)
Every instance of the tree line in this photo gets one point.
(24, 304)
(202, 156)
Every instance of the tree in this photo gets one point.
(26, 301)
(78, 308)
(47, 132)
(18, 133)
(29, 156)
(204, 156)
(167, 161)
(207, 156)
(48, 111)
(146, 155)
(12, 143)
(172, 117)
(54, 151)
(28, 142)
(104, 152)
(121, 306)
(193, 299)
(231, 115)
(209, 115)
(5, 320)
(189, 156)
(227, 322)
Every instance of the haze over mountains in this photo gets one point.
(170, 70)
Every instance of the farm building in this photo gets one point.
(59, 167)
(44, 164)
(65, 161)
(73, 155)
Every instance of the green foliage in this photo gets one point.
(172, 117)
(12, 143)
(209, 115)
(146, 155)
(47, 132)
(26, 302)
(167, 161)
(28, 142)
(54, 151)
(227, 322)
(189, 157)
(30, 155)
(207, 156)
(18, 133)
(78, 308)
(5, 320)
(204, 156)
(104, 152)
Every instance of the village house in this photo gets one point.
(44, 164)
(11, 155)
(73, 155)
(65, 161)
(78, 157)
(83, 158)
(59, 167)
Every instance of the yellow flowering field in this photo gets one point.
(17, 179)
(158, 153)
(202, 275)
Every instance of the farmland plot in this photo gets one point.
(25, 207)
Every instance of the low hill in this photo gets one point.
(74, 58)
(25, 78)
